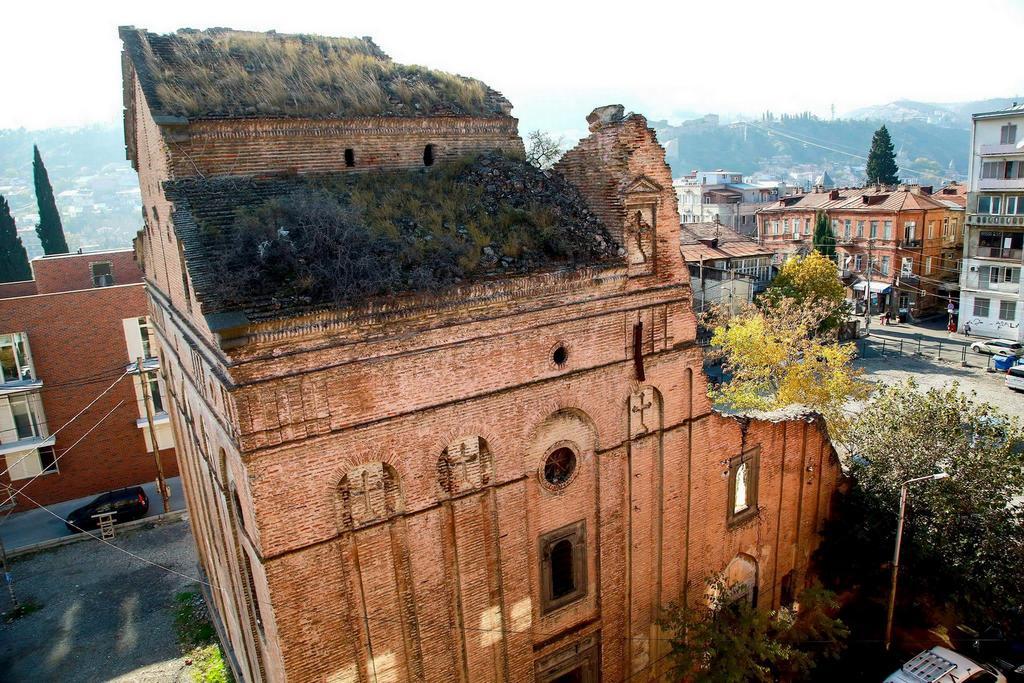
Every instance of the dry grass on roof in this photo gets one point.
(232, 73)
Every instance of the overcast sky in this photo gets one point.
(557, 60)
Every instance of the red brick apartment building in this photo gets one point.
(501, 479)
(65, 336)
(905, 238)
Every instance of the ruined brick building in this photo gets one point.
(441, 416)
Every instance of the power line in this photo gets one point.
(126, 552)
(66, 451)
(76, 416)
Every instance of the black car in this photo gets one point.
(126, 504)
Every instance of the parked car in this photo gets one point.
(939, 665)
(1015, 377)
(999, 347)
(126, 504)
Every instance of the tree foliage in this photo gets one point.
(963, 540)
(543, 149)
(811, 279)
(824, 240)
(777, 359)
(13, 259)
(49, 228)
(725, 642)
(881, 166)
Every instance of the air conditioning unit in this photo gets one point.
(974, 269)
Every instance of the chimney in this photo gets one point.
(833, 195)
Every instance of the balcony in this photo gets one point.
(27, 444)
(20, 386)
(997, 220)
(1000, 150)
(1001, 184)
(995, 252)
(910, 244)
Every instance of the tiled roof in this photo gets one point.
(857, 199)
(222, 73)
(491, 217)
(730, 244)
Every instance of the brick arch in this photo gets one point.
(546, 437)
(383, 455)
(549, 408)
(368, 493)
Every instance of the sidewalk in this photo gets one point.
(34, 526)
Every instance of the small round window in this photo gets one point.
(559, 355)
(559, 467)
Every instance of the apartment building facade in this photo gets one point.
(724, 266)
(724, 197)
(992, 303)
(68, 334)
(887, 242)
(501, 480)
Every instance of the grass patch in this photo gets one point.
(26, 608)
(221, 72)
(198, 639)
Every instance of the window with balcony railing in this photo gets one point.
(1002, 170)
(15, 361)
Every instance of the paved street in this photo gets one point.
(105, 615)
(890, 355)
(32, 526)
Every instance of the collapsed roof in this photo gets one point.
(280, 246)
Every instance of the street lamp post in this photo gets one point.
(896, 551)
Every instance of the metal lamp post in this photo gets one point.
(896, 551)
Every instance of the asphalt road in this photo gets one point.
(105, 616)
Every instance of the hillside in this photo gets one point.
(97, 191)
(799, 147)
(947, 114)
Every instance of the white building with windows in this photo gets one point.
(991, 300)
(726, 198)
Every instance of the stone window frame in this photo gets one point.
(577, 534)
(102, 279)
(752, 458)
(583, 655)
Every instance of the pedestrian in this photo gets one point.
(967, 329)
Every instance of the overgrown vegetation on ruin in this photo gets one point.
(348, 237)
(234, 73)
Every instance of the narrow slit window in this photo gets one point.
(428, 155)
(350, 158)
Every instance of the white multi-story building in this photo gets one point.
(724, 197)
(991, 300)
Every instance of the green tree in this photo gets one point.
(881, 167)
(824, 240)
(49, 229)
(811, 279)
(734, 642)
(13, 259)
(963, 541)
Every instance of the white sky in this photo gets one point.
(60, 61)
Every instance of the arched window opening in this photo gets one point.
(350, 158)
(428, 155)
(253, 595)
(562, 580)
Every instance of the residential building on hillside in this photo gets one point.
(992, 302)
(724, 265)
(66, 336)
(880, 235)
(491, 460)
(707, 196)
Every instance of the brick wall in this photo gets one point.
(72, 271)
(337, 433)
(12, 289)
(78, 348)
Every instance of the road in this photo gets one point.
(105, 615)
(890, 356)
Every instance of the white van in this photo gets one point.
(1015, 377)
(942, 665)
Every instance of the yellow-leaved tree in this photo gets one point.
(776, 357)
(813, 278)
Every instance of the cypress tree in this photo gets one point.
(824, 240)
(882, 159)
(49, 229)
(13, 259)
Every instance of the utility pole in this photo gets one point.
(867, 293)
(160, 481)
(8, 579)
